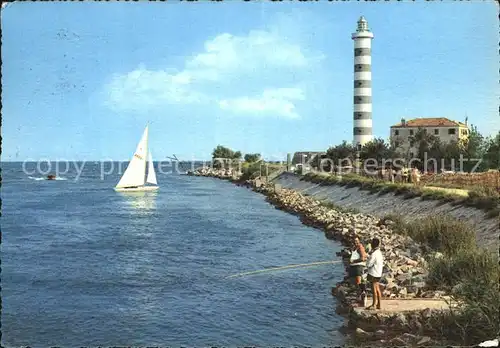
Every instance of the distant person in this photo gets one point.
(375, 265)
(415, 176)
(404, 174)
(391, 175)
(399, 176)
(357, 265)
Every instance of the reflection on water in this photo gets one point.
(143, 201)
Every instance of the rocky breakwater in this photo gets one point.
(404, 274)
(226, 174)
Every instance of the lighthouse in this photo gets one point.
(362, 114)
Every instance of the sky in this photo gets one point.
(80, 80)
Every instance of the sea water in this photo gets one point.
(83, 265)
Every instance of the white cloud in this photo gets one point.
(229, 53)
(228, 63)
(273, 102)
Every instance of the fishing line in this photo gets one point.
(283, 267)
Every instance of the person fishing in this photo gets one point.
(375, 266)
(357, 264)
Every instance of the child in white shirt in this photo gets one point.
(375, 265)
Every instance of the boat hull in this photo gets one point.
(137, 189)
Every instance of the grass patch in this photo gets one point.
(486, 199)
(428, 195)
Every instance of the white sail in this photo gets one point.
(136, 171)
(151, 170)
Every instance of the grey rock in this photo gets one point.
(403, 276)
(408, 337)
(398, 342)
(362, 333)
(424, 340)
(419, 285)
(400, 320)
(426, 313)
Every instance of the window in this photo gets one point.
(464, 131)
(411, 131)
(412, 154)
(451, 131)
(396, 132)
(412, 143)
(436, 131)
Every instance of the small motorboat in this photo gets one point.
(51, 177)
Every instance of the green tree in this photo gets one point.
(475, 143)
(377, 150)
(225, 154)
(451, 156)
(491, 157)
(252, 157)
(474, 147)
(423, 141)
(222, 152)
(342, 154)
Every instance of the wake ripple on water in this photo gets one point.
(58, 178)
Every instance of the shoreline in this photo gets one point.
(403, 281)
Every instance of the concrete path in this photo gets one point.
(406, 305)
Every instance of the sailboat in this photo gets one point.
(134, 178)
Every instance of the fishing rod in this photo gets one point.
(284, 267)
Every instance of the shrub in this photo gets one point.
(473, 275)
(388, 188)
(412, 193)
(468, 264)
(442, 233)
(333, 179)
(485, 198)
(494, 213)
(252, 170)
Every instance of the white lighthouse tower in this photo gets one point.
(362, 127)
